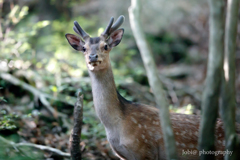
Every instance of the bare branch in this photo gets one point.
(75, 137)
(40, 147)
(155, 83)
(38, 95)
(228, 93)
(213, 80)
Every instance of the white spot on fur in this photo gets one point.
(150, 133)
(146, 141)
(183, 145)
(139, 125)
(157, 137)
(134, 120)
(182, 133)
(145, 126)
(143, 136)
(196, 133)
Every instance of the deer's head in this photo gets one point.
(96, 49)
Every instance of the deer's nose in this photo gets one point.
(93, 57)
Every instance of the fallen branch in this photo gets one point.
(38, 95)
(170, 84)
(76, 132)
(17, 146)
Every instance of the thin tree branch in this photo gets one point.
(213, 80)
(154, 81)
(228, 92)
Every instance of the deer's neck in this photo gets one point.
(105, 97)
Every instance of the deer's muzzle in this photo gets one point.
(93, 57)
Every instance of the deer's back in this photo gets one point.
(142, 134)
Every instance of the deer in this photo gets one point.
(133, 130)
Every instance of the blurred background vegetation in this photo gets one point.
(34, 51)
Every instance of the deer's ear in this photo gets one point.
(115, 37)
(76, 42)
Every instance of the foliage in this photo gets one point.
(7, 121)
(10, 121)
(34, 49)
(15, 44)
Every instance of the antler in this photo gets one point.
(117, 24)
(111, 28)
(106, 31)
(78, 29)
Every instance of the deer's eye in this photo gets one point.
(106, 47)
(84, 49)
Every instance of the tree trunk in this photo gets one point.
(154, 81)
(228, 93)
(213, 80)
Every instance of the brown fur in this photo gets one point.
(142, 125)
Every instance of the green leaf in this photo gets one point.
(54, 89)
(2, 99)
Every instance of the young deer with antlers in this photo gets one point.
(132, 129)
